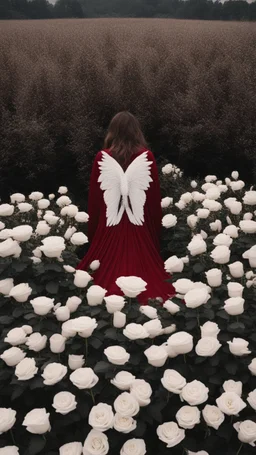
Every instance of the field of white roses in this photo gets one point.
(82, 373)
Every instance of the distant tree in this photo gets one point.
(5, 9)
(39, 9)
(68, 8)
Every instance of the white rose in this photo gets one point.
(248, 226)
(169, 329)
(222, 239)
(173, 265)
(75, 361)
(216, 226)
(21, 292)
(123, 380)
(166, 202)
(117, 355)
(250, 198)
(246, 431)
(207, 346)
(141, 391)
(198, 197)
(193, 183)
(235, 289)
(6, 286)
(232, 231)
(70, 210)
(43, 204)
(53, 373)
(251, 255)
(214, 277)
(183, 285)
(173, 381)
(22, 233)
(71, 448)
(36, 195)
(5, 234)
(188, 416)
(64, 402)
(252, 367)
(9, 247)
(62, 190)
(42, 228)
(149, 311)
(153, 328)
(16, 336)
(171, 307)
(84, 325)
(131, 286)
(252, 399)
(53, 246)
(63, 200)
(170, 434)
(248, 216)
(12, 356)
(9, 450)
(180, 205)
(25, 207)
(197, 245)
(135, 331)
(96, 443)
(220, 254)
(203, 213)
(167, 169)
(114, 303)
(81, 278)
(239, 347)
(230, 403)
(233, 386)
(36, 342)
(237, 186)
(42, 305)
(213, 193)
(196, 297)
(213, 416)
(51, 219)
(181, 342)
(69, 268)
(37, 421)
(156, 355)
(134, 447)
(192, 221)
(169, 221)
(69, 232)
(6, 209)
(236, 269)
(126, 405)
(210, 178)
(82, 217)
(57, 343)
(195, 392)
(67, 329)
(210, 329)
(17, 197)
(235, 207)
(234, 306)
(94, 265)
(7, 419)
(124, 424)
(212, 206)
(62, 313)
(79, 238)
(95, 295)
(73, 303)
(186, 197)
(119, 319)
(101, 417)
(84, 378)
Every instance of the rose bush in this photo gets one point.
(85, 373)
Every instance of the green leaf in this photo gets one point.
(18, 391)
(198, 268)
(6, 320)
(102, 367)
(95, 343)
(111, 333)
(231, 367)
(236, 327)
(36, 444)
(52, 287)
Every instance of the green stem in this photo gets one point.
(86, 349)
(184, 356)
(239, 450)
(92, 395)
(12, 436)
(198, 319)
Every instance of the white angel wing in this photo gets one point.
(111, 177)
(138, 177)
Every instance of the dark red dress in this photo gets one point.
(127, 249)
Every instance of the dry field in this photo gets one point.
(192, 83)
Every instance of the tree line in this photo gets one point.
(239, 10)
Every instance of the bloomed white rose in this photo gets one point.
(79, 238)
(101, 417)
(169, 221)
(234, 306)
(53, 246)
(195, 392)
(17, 197)
(156, 355)
(135, 331)
(196, 297)
(16, 336)
(43, 204)
(236, 269)
(141, 391)
(37, 421)
(36, 195)
(233, 386)
(126, 405)
(210, 329)
(222, 239)
(246, 431)
(51, 219)
(207, 346)
(71, 448)
(123, 380)
(239, 347)
(82, 278)
(9, 450)
(153, 328)
(53, 373)
(64, 402)
(10, 247)
(25, 207)
(167, 169)
(62, 201)
(220, 254)
(22, 233)
(134, 447)
(69, 232)
(216, 226)
(26, 369)
(166, 202)
(62, 313)
(192, 221)
(251, 255)
(84, 326)
(124, 424)
(67, 329)
(183, 285)
(197, 196)
(252, 399)
(57, 343)
(7, 419)
(21, 292)
(42, 305)
(42, 228)
(12, 356)
(95, 295)
(149, 311)
(170, 433)
(197, 245)
(181, 342)
(230, 403)
(131, 286)
(117, 355)
(6, 209)
(203, 213)
(84, 378)
(173, 381)
(214, 277)
(188, 416)
(171, 307)
(174, 264)
(235, 289)
(96, 443)
(250, 198)
(248, 226)
(82, 217)
(75, 361)
(73, 303)
(213, 416)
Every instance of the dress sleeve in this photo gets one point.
(94, 198)
(153, 210)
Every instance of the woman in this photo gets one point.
(125, 212)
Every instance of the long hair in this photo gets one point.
(124, 137)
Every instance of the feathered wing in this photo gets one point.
(111, 178)
(138, 176)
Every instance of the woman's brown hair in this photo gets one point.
(124, 137)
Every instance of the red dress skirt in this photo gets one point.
(127, 249)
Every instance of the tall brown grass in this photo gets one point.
(191, 83)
